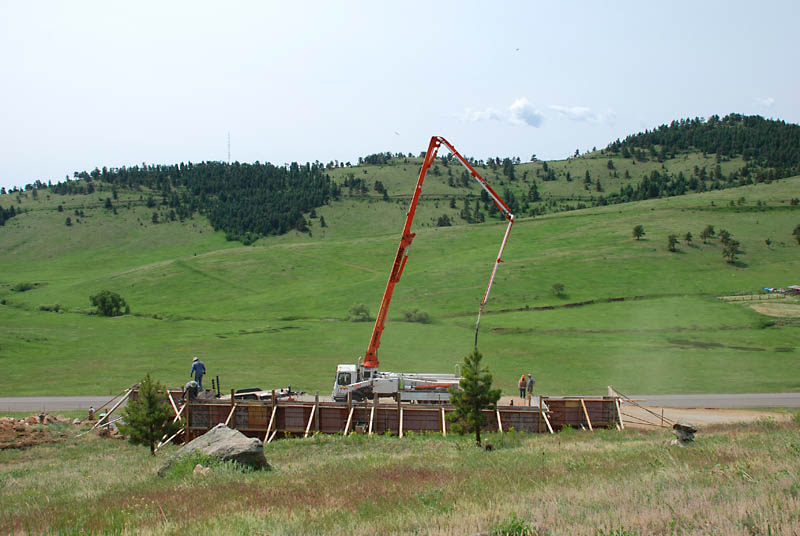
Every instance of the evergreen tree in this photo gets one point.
(672, 241)
(731, 250)
(148, 417)
(474, 394)
(707, 233)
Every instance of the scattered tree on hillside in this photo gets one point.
(796, 234)
(638, 232)
(672, 241)
(724, 236)
(707, 233)
(474, 394)
(322, 221)
(149, 417)
(68, 222)
(688, 238)
(444, 221)
(557, 289)
(109, 303)
(731, 250)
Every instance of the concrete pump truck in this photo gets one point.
(364, 380)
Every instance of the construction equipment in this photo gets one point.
(365, 380)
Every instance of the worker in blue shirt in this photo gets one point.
(198, 369)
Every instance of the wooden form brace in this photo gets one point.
(444, 426)
(114, 407)
(233, 410)
(310, 419)
(547, 422)
(271, 422)
(586, 414)
(621, 424)
(499, 421)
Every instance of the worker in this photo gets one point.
(198, 369)
(190, 390)
(531, 381)
(523, 384)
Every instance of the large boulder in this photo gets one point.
(226, 444)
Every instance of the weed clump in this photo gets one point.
(415, 315)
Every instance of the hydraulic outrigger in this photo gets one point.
(365, 380)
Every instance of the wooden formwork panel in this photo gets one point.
(422, 420)
(252, 418)
(570, 412)
(526, 421)
(332, 419)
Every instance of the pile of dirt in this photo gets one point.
(30, 431)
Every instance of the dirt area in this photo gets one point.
(780, 310)
(32, 430)
(638, 417)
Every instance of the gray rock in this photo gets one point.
(226, 444)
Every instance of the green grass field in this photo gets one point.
(273, 314)
(738, 479)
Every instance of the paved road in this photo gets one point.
(738, 401)
(51, 403)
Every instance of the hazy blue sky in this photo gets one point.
(92, 84)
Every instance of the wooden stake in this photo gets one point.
(444, 426)
(539, 420)
(310, 419)
(499, 421)
(274, 433)
(586, 413)
(619, 415)
(316, 405)
(401, 421)
(372, 412)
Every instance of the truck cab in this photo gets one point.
(346, 376)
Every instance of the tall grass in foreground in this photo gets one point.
(737, 480)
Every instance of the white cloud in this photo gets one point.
(765, 101)
(582, 113)
(520, 112)
(523, 112)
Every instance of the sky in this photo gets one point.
(88, 84)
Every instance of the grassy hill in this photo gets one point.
(273, 313)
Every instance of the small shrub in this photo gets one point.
(184, 466)
(514, 526)
(23, 287)
(358, 313)
(109, 303)
(51, 308)
(415, 315)
(557, 290)
(616, 532)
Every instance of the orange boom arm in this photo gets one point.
(371, 355)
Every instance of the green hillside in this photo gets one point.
(272, 313)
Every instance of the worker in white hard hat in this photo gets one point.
(198, 369)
